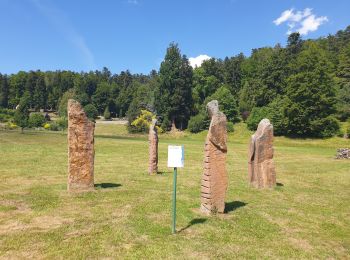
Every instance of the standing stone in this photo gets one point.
(153, 148)
(81, 151)
(215, 179)
(261, 168)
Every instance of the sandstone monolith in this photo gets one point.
(81, 151)
(261, 168)
(153, 148)
(215, 179)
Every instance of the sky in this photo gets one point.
(134, 34)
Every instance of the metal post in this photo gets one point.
(174, 201)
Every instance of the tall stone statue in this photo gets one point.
(81, 151)
(261, 168)
(215, 179)
(153, 148)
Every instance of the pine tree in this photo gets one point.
(174, 93)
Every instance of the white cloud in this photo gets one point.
(62, 24)
(197, 61)
(300, 21)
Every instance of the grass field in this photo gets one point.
(129, 214)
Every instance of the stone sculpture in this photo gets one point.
(81, 151)
(215, 179)
(153, 148)
(261, 168)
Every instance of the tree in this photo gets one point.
(310, 93)
(174, 93)
(4, 91)
(233, 72)
(22, 112)
(91, 111)
(63, 102)
(102, 95)
(40, 94)
(343, 82)
(227, 103)
(143, 100)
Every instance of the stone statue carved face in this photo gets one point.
(213, 107)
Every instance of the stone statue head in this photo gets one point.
(213, 107)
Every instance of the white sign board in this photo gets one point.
(176, 156)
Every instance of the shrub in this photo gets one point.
(257, 114)
(54, 126)
(107, 114)
(62, 123)
(36, 120)
(325, 127)
(227, 103)
(63, 102)
(230, 127)
(11, 125)
(6, 115)
(91, 111)
(198, 123)
(142, 122)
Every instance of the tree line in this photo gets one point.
(303, 88)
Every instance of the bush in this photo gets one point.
(6, 115)
(142, 122)
(63, 102)
(91, 111)
(198, 123)
(257, 114)
(11, 125)
(230, 127)
(62, 123)
(325, 127)
(227, 103)
(36, 120)
(107, 114)
(54, 126)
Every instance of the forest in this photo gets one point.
(303, 88)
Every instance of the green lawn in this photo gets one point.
(129, 215)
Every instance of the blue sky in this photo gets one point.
(134, 34)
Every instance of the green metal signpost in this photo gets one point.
(174, 201)
(175, 160)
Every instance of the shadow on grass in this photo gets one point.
(119, 137)
(278, 184)
(193, 222)
(164, 172)
(107, 185)
(231, 206)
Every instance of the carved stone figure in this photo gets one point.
(153, 148)
(215, 179)
(81, 151)
(261, 168)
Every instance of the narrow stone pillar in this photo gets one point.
(215, 179)
(81, 151)
(153, 148)
(261, 168)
